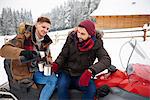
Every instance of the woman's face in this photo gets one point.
(82, 34)
(42, 28)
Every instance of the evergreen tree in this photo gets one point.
(71, 13)
(10, 20)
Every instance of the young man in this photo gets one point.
(75, 64)
(24, 54)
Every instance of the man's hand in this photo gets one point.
(54, 67)
(29, 54)
(85, 78)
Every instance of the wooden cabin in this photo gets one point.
(112, 14)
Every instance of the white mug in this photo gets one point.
(47, 70)
(41, 66)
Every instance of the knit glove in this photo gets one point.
(85, 78)
(54, 67)
(29, 54)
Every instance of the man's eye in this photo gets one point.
(82, 33)
(48, 29)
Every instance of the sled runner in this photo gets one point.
(5, 94)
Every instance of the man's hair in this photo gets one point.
(44, 19)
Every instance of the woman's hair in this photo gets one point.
(44, 19)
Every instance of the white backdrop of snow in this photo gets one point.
(111, 45)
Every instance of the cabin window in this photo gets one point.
(93, 19)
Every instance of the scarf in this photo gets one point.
(87, 44)
(28, 45)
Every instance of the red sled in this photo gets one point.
(135, 81)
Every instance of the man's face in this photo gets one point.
(42, 28)
(82, 34)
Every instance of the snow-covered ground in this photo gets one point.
(116, 47)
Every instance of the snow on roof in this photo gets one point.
(122, 7)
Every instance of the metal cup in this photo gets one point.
(41, 66)
(47, 70)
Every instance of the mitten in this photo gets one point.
(29, 54)
(85, 78)
(54, 67)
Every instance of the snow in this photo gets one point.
(141, 53)
(125, 7)
(3, 76)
